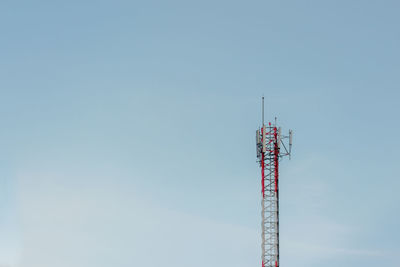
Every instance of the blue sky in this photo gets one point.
(128, 131)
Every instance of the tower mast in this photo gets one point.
(270, 149)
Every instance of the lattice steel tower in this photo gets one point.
(270, 149)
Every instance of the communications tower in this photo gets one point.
(271, 148)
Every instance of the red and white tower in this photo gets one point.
(270, 149)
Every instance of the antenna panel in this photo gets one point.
(279, 137)
(264, 139)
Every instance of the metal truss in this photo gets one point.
(269, 152)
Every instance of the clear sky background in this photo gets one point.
(128, 131)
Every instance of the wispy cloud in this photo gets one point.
(314, 228)
(108, 224)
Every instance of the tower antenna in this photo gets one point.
(263, 110)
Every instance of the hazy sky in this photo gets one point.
(128, 131)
